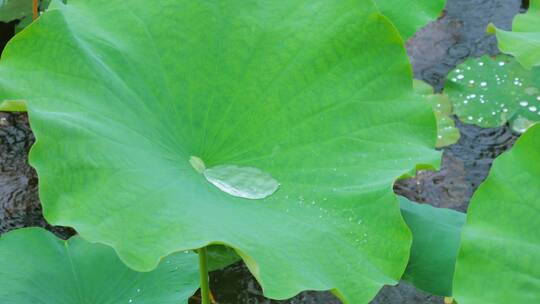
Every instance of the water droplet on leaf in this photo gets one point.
(244, 182)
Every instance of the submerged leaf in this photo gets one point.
(447, 133)
(524, 40)
(491, 91)
(436, 236)
(297, 89)
(13, 106)
(37, 267)
(498, 262)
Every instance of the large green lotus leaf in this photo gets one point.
(491, 91)
(524, 39)
(410, 16)
(14, 9)
(447, 133)
(498, 262)
(122, 95)
(436, 236)
(37, 267)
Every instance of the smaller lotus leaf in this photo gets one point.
(436, 235)
(37, 267)
(14, 9)
(498, 262)
(524, 39)
(491, 91)
(447, 133)
(13, 106)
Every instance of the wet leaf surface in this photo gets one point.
(491, 91)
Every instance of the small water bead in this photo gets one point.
(471, 81)
(523, 103)
(501, 63)
(130, 301)
(533, 108)
(483, 84)
(138, 290)
(460, 76)
(481, 63)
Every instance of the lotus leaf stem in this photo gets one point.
(203, 270)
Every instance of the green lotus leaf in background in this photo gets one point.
(318, 94)
(447, 133)
(491, 91)
(220, 256)
(436, 235)
(499, 254)
(410, 16)
(11, 10)
(37, 267)
(13, 106)
(524, 40)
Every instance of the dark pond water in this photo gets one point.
(434, 51)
